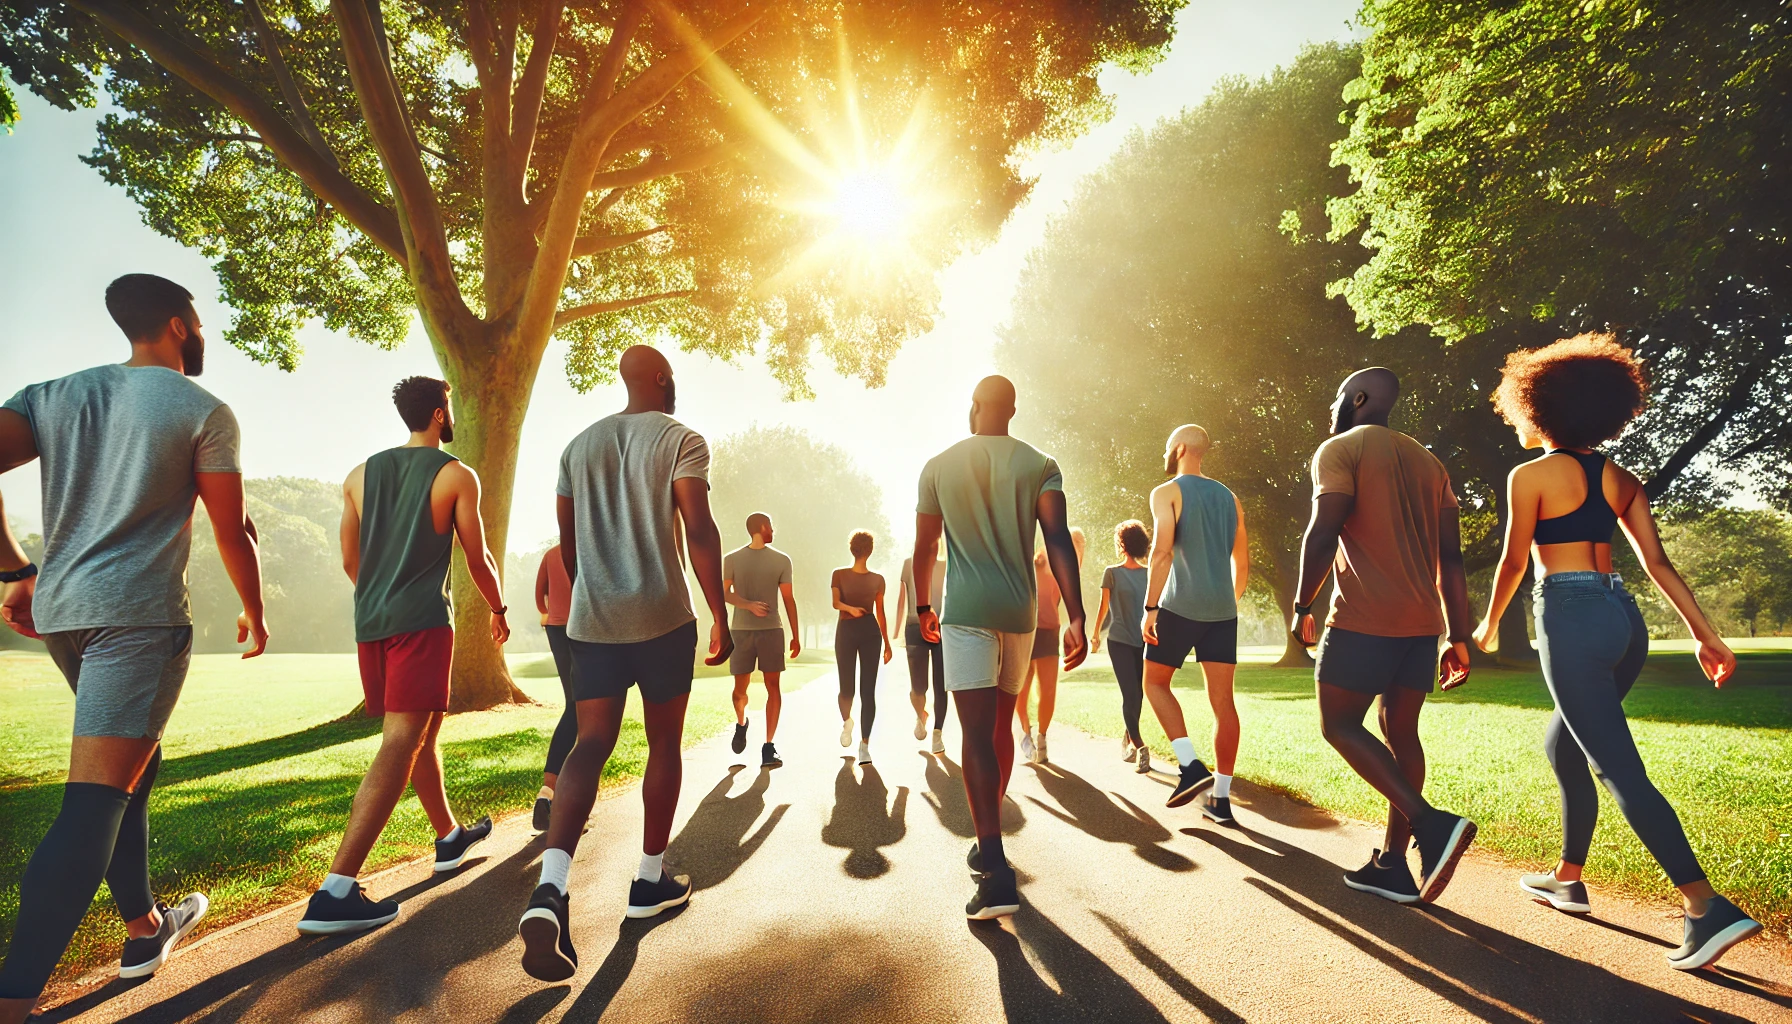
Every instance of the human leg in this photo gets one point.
(774, 703)
(846, 660)
(870, 654)
(664, 776)
(1399, 716)
(741, 682)
(427, 781)
(566, 730)
(939, 686)
(1129, 669)
(1024, 699)
(1580, 796)
(128, 873)
(1163, 700)
(1045, 672)
(401, 736)
(1219, 676)
(1341, 714)
(979, 719)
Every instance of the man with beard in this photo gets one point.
(125, 449)
(1199, 565)
(626, 484)
(402, 511)
(1384, 512)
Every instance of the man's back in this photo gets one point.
(120, 446)
(619, 472)
(402, 582)
(1388, 551)
(1200, 586)
(987, 489)
(758, 575)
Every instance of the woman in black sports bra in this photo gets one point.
(1562, 510)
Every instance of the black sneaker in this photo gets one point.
(646, 899)
(328, 915)
(1388, 878)
(1442, 838)
(740, 737)
(974, 859)
(997, 896)
(1195, 780)
(1570, 897)
(142, 956)
(451, 853)
(1218, 809)
(547, 936)
(1711, 936)
(544, 812)
(768, 757)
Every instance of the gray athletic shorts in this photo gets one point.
(126, 678)
(757, 648)
(977, 658)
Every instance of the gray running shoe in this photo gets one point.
(1144, 761)
(141, 957)
(1569, 897)
(1712, 935)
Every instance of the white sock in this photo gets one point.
(450, 837)
(651, 866)
(1222, 786)
(338, 885)
(1185, 750)
(556, 866)
(545, 793)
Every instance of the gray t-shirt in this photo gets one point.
(758, 575)
(618, 473)
(1126, 603)
(119, 446)
(987, 489)
(935, 586)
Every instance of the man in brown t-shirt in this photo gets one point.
(1384, 513)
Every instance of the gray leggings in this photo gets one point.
(1593, 642)
(859, 641)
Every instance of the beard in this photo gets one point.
(447, 432)
(1344, 419)
(192, 354)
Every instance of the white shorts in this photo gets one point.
(977, 658)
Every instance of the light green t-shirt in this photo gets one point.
(987, 489)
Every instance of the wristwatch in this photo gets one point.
(500, 611)
(1151, 607)
(923, 608)
(17, 575)
(1303, 610)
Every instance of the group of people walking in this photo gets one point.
(127, 449)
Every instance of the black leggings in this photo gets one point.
(566, 733)
(920, 655)
(859, 640)
(1129, 670)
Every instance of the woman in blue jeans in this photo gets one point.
(1562, 509)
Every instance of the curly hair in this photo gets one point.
(1578, 392)
(1130, 537)
(860, 544)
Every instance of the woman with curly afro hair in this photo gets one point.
(1569, 398)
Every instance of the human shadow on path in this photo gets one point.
(1492, 975)
(945, 794)
(719, 837)
(1087, 988)
(864, 819)
(1096, 813)
(618, 964)
(1211, 1008)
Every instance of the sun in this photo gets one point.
(868, 205)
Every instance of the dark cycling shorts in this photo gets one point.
(1176, 637)
(662, 666)
(1376, 664)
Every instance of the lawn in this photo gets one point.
(1722, 758)
(258, 773)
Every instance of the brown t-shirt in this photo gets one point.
(1387, 555)
(1049, 595)
(860, 589)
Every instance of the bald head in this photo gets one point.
(992, 405)
(648, 378)
(1184, 450)
(1365, 397)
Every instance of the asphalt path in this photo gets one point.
(827, 891)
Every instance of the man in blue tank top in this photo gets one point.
(1199, 565)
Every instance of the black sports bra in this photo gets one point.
(1594, 520)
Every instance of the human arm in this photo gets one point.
(704, 545)
(928, 527)
(1318, 548)
(1241, 554)
(901, 602)
(348, 535)
(569, 545)
(17, 447)
(1164, 512)
(1522, 500)
(732, 597)
(1060, 554)
(541, 587)
(1101, 618)
(788, 593)
(1452, 584)
(851, 610)
(1715, 656)
(469, 529)
(883, 628)
(222, 494)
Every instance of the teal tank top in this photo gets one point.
(403, 583)
(1200, 585)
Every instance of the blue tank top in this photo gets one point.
(1201, 573)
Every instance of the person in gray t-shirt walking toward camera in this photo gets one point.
(755, 579)
(125, 450)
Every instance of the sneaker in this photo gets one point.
(974, 859)
(1712, 935)
(646, 899)
(1388, 878)
(939, 742)
(546, 930)
(328, 915)
(997, 896)
(920, 725)
(451, 853)
(1127, 751)
(768, 757)
(1195, 780)
(142, 956)
(1218, 809)
(1442, 838)
(1144, 761)
(544, 813)
(1039, 753)
(1028, 750)
(740, 737)
(846, 732)
(864, 751)
(1565, 896)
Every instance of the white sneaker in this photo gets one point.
(1127, 751)
(1144, 761)
(864, 752)
(920, 725)
(1042, 756)
(846, 732)
(1027, 749)
(939, 742)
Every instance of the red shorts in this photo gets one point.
(407, 672)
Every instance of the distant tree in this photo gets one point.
(516, 170)
(310, 600)
(33, 543)
(1621, 165)
(1740, 562)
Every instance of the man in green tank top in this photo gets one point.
(402, 510)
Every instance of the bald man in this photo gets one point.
(1383, 511)
(627, 484)
(988, 494)
(1198, 569)
(755, 578)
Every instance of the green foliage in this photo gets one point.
(310, 601)
(1738, 561)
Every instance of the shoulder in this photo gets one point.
(1168, 490)
(355, 476)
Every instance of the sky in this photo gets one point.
(65, 234)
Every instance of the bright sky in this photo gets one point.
(66, 233)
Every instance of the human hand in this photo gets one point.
(1487, 636)
(1454, 666)
(1304, 628)
(930, 626)
(889, 652)
(15, 608)
(796, 646)
(854, 611)
(721, 643)
(759, 608)
(252, 629)
(1718, 661)
(1076, 645)
(544, 618)
(1095, 644)
(1148, 627)
(501, 628)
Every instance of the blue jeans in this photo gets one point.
(1593, 642)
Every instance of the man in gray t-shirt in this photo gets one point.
(757, 578)
(125, 450)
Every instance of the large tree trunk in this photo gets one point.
(1286, 574)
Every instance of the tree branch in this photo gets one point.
(591, 245)
(196, 65)
(567, 316)
(525, 116)
(649, 169)
(289, 86)
(1738, 397)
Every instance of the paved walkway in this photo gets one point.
(831, 893)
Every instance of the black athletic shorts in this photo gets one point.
(1363, 663)
(662, 666)
(1176, 636)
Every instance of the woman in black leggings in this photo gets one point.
(1562, 508)
(858, 594)
(1123, 595)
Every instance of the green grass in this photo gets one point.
(1722, 758)
(258, 775)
